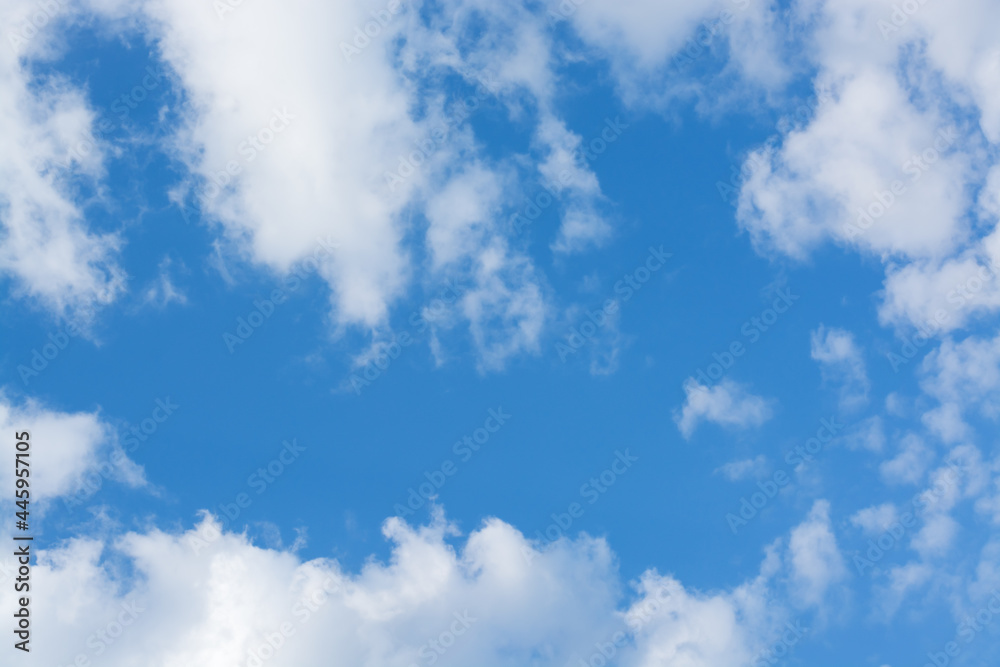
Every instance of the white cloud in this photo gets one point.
(292, 134)
(902, 580)
(910, 464)
(735, 471)
(876, 519)
(963, 377)
(890, 118)
(640, 33)
(162, 291)
(936, 536)
(833, 178)
(47, 249)
(727, 403)
(308, 136)
(562, 172)
(64, 448)
(815, 558)
(506, 309)
(204, 597)
(656, 49)
(842, 363)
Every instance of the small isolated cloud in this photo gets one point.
(909, 466)
(842, 364)
(869, 434)
(734, 471)
(876, 519)
(162, 291)
(727, 404)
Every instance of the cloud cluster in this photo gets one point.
(892, 158)
(209, 597)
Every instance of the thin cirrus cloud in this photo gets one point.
(842, 364)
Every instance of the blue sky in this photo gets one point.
(536, 320)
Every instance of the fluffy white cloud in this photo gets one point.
(47, 248)
(833, 179)
(307, 145)
(64, 448)
(727, 403)
(290, 139)
(842, 363)
(205, 597)
(888, 163)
